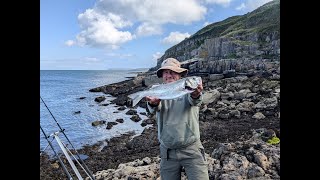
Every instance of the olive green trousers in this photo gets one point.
(191, 158)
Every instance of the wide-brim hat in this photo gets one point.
(173, 65)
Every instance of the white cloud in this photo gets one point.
(175, 38)
(206, 23)
(224, 3)
(156, 56)
(147, 29)
(101, 30)
(121, 56)
(91, 59)
(117, 21)
(251, 5)
(110, 23)
(155, 11)
(69, 43)
(241, 7)
(102, 26)
(82, 63)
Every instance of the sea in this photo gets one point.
(66, 104)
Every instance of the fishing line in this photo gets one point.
(62, 131)
(49, 124)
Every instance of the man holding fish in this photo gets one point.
(178, 124)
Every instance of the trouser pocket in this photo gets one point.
(203, 154)
(164, 152)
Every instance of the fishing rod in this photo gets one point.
(76, 152)
(60, 161)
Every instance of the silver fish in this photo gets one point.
(168, 91)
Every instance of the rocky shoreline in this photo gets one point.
(239, 118)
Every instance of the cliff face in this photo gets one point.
(255, 35)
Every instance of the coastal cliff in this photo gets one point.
(252, 36)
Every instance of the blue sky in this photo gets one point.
(108, 34)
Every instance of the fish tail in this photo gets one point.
(136, 97)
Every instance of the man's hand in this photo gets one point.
(154, 101)
(195, 94)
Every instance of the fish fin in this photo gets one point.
(155, 85)
(136, 97)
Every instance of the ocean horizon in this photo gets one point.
(65, 92)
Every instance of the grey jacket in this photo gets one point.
(178, 121)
